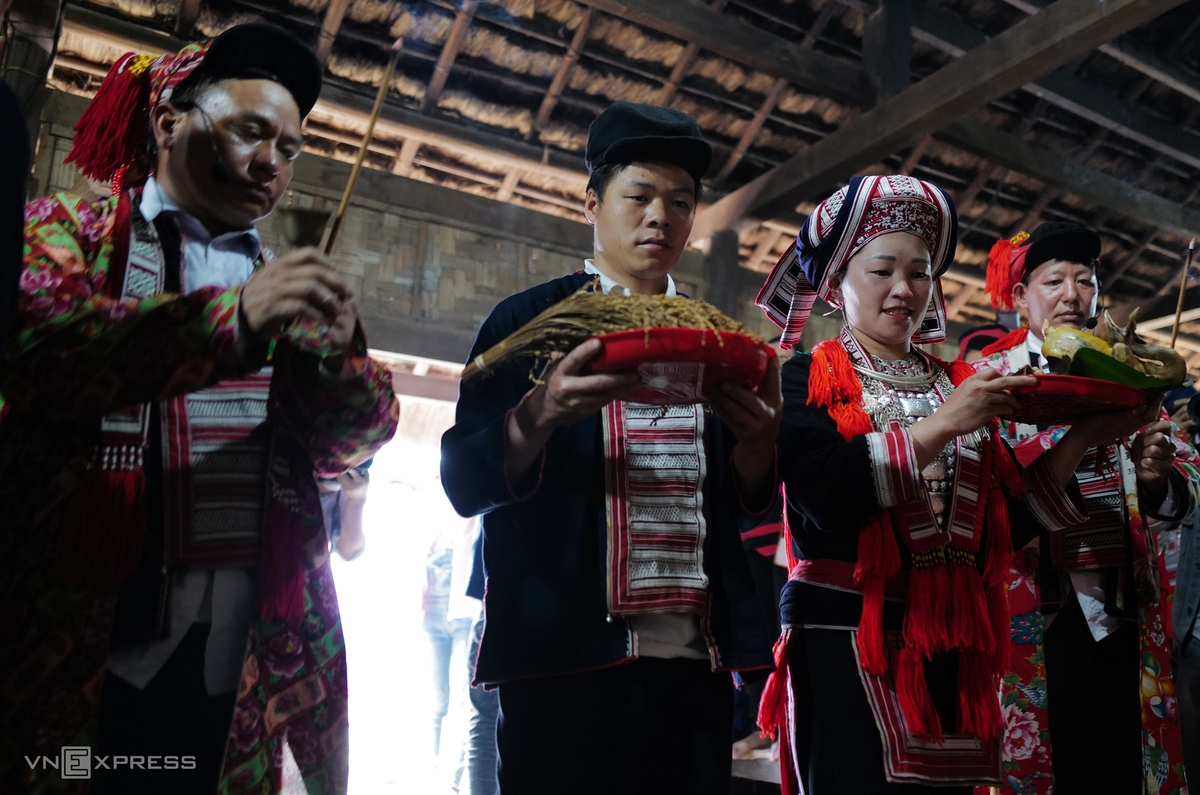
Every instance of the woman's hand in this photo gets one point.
(971, 406)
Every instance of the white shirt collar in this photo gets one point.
(156, 201)
(609, 286)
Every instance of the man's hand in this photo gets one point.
(1153, 453)
(754, 418)
(1092, 430)
(564, 397)
(354, 486)
(752, 415)
(1181, 418)
(302, 283)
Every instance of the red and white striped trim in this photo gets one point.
(1053, 506)
(894, 466)
(655, 468)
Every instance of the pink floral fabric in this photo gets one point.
(1028, 747)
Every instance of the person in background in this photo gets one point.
(1090, 647)
(768, 565)
(14, 174)
(447, 632)
(483, 704)
(1186, 646)
(973, 341)
(342, 502)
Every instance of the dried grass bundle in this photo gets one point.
(588, 314)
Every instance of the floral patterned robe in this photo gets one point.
(1026, 756)
(78, 352)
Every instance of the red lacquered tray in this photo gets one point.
(1062, 399)
(682, 365)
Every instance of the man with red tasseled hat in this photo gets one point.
(172, 392)
(1090, 703)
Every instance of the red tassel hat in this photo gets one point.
(1011, 260)
(111, 136)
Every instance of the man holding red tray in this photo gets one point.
(618, 599)
(1091, 604)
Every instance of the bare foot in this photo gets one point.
(743, 747)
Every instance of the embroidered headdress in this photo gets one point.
(111, 136)
(840, 226)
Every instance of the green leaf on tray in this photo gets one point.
(1090, 363)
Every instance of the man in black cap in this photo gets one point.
(173, 393)
(1091, 661)
(596, 697)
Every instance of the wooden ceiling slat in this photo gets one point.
(1022, 53)
(458, 32)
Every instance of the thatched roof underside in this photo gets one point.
(512, 50)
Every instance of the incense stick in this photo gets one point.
(1187, 266)
(362, 150)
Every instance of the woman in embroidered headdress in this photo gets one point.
(903, 504)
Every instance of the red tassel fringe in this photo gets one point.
(926, 624)
(833, 384)
(970, 625)
(1004, 467)
(1002, 261)
(1001, 626)
(878, 559)
(978, 697)
(772, 706)
(1010, 340)
(104, 529)
(913, 694)
(281, 567)
(112, 131)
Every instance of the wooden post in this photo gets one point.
(1183, 277)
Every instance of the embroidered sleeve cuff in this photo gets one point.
(526, 487)
(894, 467)
(1053, 505)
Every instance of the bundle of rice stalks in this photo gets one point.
(588, 314)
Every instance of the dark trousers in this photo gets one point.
(173, 717)
(652, 726)
(1187, 690)
(1093, 689)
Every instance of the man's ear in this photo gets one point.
(165, 122)
(590, 202)
(1020, 299)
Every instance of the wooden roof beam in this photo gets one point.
(1022, 53)
(681, 67)
(564, 71)
(441, 71)
(774, 95)
(335, 12)
(185, 20)
(1135, 57)
(1062, 89)
(746, 44)
(1096, 187)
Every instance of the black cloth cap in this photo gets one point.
(627, 132)
(256, 51)
(1062, 240)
